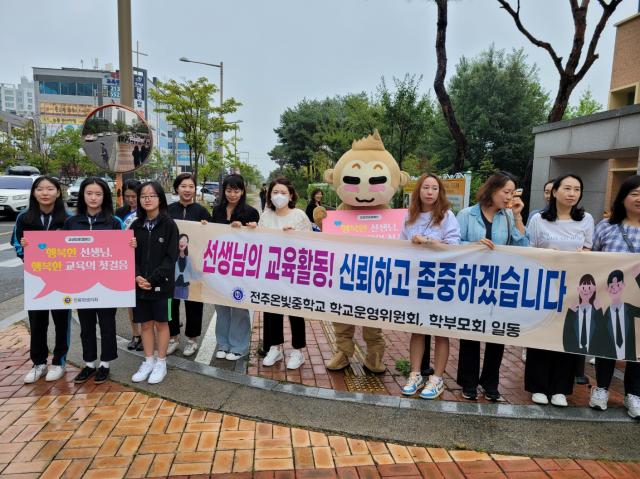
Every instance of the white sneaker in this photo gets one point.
(414, 383)
(158, 373)
(540, 398)
(36, 373)
(632, 403)
(233, 356)
(559, 400)
(190, 348)
(173, 345)
(55, 372)
(143, 371)
(272, 356)
(221, 354)
(599, 398)
(592, 360)
(296, 358)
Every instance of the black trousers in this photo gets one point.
(273, 331)
(39, 324)
(604, 375)
(469, 365)
(549, 372)
(106, 318)
(426, 357)
(193, 313)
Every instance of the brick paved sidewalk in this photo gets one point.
(320, 348)
(60, 429)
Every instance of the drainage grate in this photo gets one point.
(367, 383)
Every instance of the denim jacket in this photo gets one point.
(472, 227)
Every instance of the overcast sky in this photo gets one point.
(278, 52)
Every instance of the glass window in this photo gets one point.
(87, 89)
(68, 88)
(50, 87)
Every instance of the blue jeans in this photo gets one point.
(233, 329)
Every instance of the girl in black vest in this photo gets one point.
(46, 212)
(95, 212)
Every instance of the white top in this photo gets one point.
(296, 218)
(448, 231)
(563, 235)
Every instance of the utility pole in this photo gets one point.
(126, 69)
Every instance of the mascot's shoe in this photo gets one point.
(338, 361)
(373, 363)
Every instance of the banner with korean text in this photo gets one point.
(582, 302)
(78, 270)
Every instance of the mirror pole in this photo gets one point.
(126, 69)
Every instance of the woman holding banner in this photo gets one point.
(233, 325)
(95, 212)
(281, 214)
(429, 220)
(156, 255)
(495, 220)
(186, 208)
(562, 226)
(46, 212)
(620, 233)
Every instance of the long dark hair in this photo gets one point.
(186, 250)
(292, 192)
(141, 213)
(312, 198)
(440, 207)
(551, 213)
(107, 201)
(234, 182)
(133, 185)
(618, 211)
(588, 279)
(58, 215)
(494, 183)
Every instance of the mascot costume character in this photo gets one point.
(365, 177)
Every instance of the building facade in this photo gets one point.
(18, 99)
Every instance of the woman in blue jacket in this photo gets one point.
(496, 219)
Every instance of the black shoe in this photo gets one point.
(471, 394)
(134, 343)
(140, 346)
(582, 380)
(85, 374)
(427, 372)
(493, 395)
(102, 375)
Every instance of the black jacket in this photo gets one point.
(192, 212)
(156, 255)
(246, 214)
(21, 226)
(100, 222)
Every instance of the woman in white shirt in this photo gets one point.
(563, 226)
(430, 220)
(281, 213)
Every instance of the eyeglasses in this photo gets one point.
(148, 197)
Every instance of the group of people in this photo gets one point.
(163, 275)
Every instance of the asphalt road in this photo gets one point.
(94, 151)
(11, 276)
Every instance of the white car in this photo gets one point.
(14, 193)
(209, 198)
(90, 138)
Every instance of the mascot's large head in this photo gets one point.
(366, 176)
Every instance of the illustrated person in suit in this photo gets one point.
(618, 330)
(582, 321)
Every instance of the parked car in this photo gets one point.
(201, 194)
(14, 193)
(72, 192)
(90, 138)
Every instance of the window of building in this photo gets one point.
(50, 87)
(68, 88)
(87, 89)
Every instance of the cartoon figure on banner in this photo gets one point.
(582, 320)
(185, 274)
(365, 177)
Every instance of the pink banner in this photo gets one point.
(78, 269)
(372, 223)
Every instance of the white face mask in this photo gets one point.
(279, 200)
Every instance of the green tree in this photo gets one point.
(189, 106)
(407, 116)
(498, 100)
(587, 105)
(66, 155)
